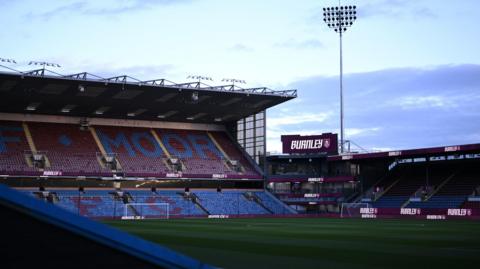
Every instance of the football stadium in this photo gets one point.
(120, 172)
(181, 165)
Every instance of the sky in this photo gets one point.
(411, 68)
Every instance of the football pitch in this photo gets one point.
(317, 243)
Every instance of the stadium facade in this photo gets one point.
(439, 182)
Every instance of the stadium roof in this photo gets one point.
(86, 95)
(410, 153)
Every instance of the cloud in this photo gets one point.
(355, 132)
(101, 8)
(295, 119)
(144, 72)
(300, 44)
(241, 47)
(381, 149)
(385, 8)
(393, 108)
(396, 9)
(424, 102)
(424, 12)
(110, 69)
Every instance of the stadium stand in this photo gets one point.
(129, 156)
(178, 204)
(409, 181)
(453, 193)
(471, 204)
(229, 203)
(136, 150)
(112, 203)
(196, 151)
(273, 204)
(67, 148)
(13, 148)
(234, 153)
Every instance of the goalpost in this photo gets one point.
(142, 210)
(352, 210)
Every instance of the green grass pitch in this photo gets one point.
(317, 243)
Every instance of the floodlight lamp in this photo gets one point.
(194, 96)
(4, 60)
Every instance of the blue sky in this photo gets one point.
(412, 68)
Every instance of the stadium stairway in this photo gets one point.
(28, 136)
(229, 203)
(135, 149)
(236, 152)
(256, 199)
(196, 200)
(453, 192)
(390, 184)
(68, 149)
(226, 159)
(274, 204)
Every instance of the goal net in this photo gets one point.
(146, 210)
(352, 210)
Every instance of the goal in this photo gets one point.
(146, 210)
(352, 210)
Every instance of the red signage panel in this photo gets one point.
(312, 144)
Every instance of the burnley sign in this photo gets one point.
(313, 144)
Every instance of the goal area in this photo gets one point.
(146, 210)
(352, 210)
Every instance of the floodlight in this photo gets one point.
(344, 17)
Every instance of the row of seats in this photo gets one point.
(272, 203)
(440, 201)
(458, 184)
(407, 180)
(68, 149)
(233, 152)
(455, 191)
(390, 201)
(471, 204)
(137, 150)
(13, 145)
(107, 203)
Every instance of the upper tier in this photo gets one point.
(139, 152)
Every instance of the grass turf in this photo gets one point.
(317, 243)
